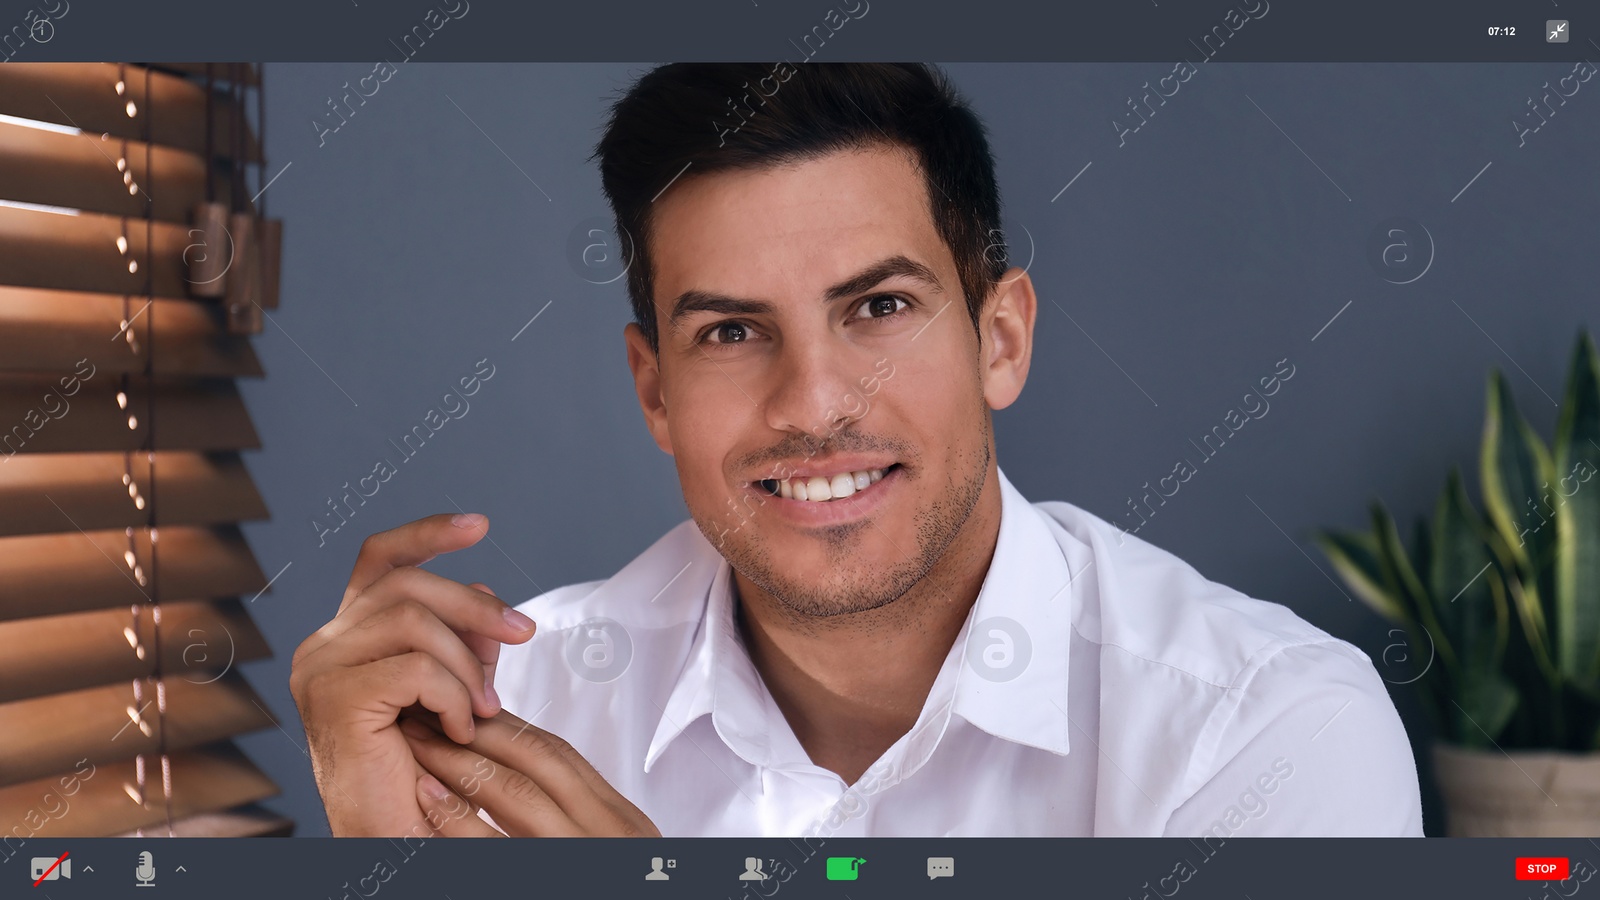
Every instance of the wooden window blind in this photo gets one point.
(135, 264)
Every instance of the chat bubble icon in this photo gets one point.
(941, 867)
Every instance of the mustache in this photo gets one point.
(799, 447)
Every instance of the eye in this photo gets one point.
(726, 333)
(881, 306)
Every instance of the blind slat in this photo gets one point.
(47, 331)
(74, 571)
(51, 492)
(40, 414)
(60, 251)
(67, 804)
(84, 96)
(82, 172)
(50, 654)
(80, 253)
(103, 724)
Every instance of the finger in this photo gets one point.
(495, 745)
(447, 813)
(517, 802)
(412, 544)
(561, 771)
(488, 652)
(387, 686)
(407, 627)
(458, 606)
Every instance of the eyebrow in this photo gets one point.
(895, 266)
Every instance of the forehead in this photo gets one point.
(792, 228)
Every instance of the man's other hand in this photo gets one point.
(531, 782)
(402, 637)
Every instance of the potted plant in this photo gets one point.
(1503, 614)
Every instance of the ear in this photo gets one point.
(1007, 327)
(646, 366)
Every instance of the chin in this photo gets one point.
(854, 581)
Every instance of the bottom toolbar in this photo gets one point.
(748, 869)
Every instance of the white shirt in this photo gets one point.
(1107, 689)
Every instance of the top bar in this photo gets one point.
(802, 30)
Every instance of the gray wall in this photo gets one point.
(1175, 271)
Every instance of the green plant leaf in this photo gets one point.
(1514, 466)
(1400, 579)
(1486, 702)
(1465, 584)
(1422, 546)
(1355, 557)
(1577, 499)
(1525, 600)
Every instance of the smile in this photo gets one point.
(822, 488)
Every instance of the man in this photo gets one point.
(865, 630)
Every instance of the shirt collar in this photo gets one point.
(1006, 672)
(1012, 674)
(718, 678)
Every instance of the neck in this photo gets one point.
(853, 684)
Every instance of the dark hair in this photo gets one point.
(714, 117)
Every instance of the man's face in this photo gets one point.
(815, 341)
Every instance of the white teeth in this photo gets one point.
(819, 488)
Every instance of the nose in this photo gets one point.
(813, 388)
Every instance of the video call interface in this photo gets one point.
(845, 449)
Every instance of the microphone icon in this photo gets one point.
(146, 873)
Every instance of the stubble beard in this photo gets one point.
(852, 584)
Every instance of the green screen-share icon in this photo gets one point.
(844, 868)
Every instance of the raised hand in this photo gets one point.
(402, 637)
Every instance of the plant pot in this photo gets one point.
(1522, 794)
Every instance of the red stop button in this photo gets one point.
(1541, 868)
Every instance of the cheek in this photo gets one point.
(705, 420)
(938, 398)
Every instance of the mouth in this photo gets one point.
(824, 488)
